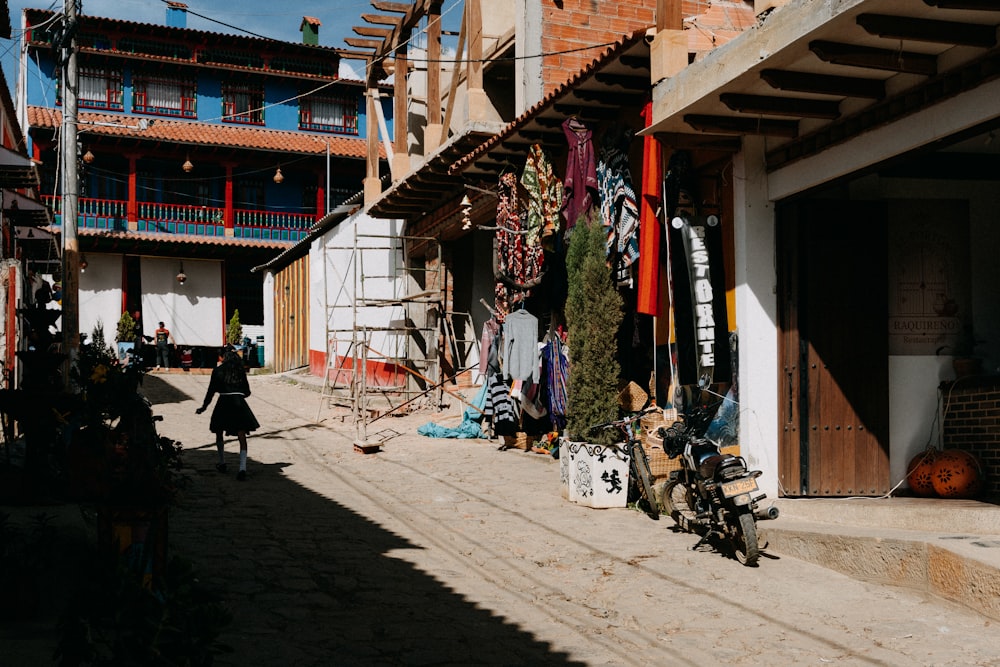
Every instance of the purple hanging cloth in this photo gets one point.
(580, 183)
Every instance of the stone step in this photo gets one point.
(933, 515)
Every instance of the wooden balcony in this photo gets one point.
(112, 214)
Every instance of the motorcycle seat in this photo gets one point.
(711, 465)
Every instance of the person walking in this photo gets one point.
(232, 415)
(163, 337)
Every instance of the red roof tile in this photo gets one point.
(189, 239)
(205, 134)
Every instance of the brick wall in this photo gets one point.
(972, 423)
(573, 24)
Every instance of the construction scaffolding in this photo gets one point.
(383, 322)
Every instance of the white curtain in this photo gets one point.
(193, 311)
(101, 295)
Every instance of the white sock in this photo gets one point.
(243, 459)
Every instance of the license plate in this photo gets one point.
(739, 486)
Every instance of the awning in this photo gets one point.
(813, 74)
(21, 210)
(16, 170)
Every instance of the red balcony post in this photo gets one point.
(228, 219)
(132, 211)
(320, 197)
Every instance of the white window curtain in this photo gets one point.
(327, 112)
(163, 94)
(94, 85)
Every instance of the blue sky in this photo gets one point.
(266, 18)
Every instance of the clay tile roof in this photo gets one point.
(183, 239)
(311, 20)
(205, 134)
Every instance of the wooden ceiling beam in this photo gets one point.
(824, 84)
(386, 6)
(362, 43)
(926, 30)
(738, 125)
(892, 60)
(625, 81)
(367, 31)
(583, 112)
(380, 19)
(781, 106)
(975, 5)
(613, 98)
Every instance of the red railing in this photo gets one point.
(184, 219)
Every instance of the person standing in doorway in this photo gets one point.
(232, 415)
(163, 337)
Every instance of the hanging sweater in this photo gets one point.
(520, 346)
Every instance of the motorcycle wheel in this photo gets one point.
(678, 504)
(644, 479)
(745, 538)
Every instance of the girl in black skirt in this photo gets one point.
(232, 415)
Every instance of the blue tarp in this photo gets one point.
(469, 428)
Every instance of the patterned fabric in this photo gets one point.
(500, 407)
(556, 369)
(619, 211)
(544, 197)
(580, 183)
(517, 260)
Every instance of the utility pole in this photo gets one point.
(70, 195)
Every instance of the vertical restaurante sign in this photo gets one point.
(698, 295)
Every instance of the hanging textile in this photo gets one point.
(517, 262)
(491, 329)
(619, 210)
(520, 346)
(556, 371)
(650, 229)
(544, 198)
(500, 407)
(580, 182)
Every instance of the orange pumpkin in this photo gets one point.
(957, 474)
(919, 472)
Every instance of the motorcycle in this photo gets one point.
(712, 494)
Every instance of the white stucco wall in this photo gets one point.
(356, 261)
(756, 314)
(100, 297)
(193, 311)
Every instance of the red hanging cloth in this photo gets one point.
(650, 232)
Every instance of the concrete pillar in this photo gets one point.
(756, 313)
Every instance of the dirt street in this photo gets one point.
(450, 552)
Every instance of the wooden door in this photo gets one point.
(833, 349)
(291, 316)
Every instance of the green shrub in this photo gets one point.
(593, 315)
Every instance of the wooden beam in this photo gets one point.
(366, 31)
(739, 125)
(892, 60)
(386, 6)
(975, 5)
(924, 30)
(362, 43)
(618, 99)
(781, 106)
(825, 84)
(379, 19)
(626, 82)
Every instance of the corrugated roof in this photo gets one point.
(203, 134)
(132, 239)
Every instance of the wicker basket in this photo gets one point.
(519, 441)
(632, 398)
(660, 465)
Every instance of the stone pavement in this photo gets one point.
(444, 552)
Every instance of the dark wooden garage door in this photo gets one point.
(833, 348)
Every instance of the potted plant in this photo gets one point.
(597, 471)
(125, 335)
(964, 361)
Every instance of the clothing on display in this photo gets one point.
(544, 193)
(650, 228)
(580, 180)
(519, 354)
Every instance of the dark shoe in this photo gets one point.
(241, 476)
(221, 467)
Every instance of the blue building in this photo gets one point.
(201, 155)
